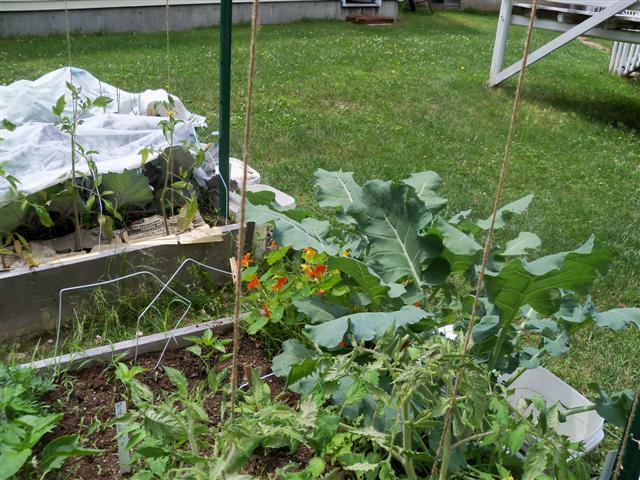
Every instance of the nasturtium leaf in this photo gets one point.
(505, 213)
(391, 216)
(519, 246)
(618, 318)
(426, 184)
(336, 189)
(318, 310)
(130, 188)
(308, 232)
(364, 326)
(276, 255)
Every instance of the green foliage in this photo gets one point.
(24, 421)
(374, 361)
(59, 449)
(208, 345)
(363, 326)
(91, 198)
(426, 184)
(128, 188)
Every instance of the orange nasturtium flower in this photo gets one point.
(345, 253)
(418, 304)
(279, 284)
(318, 271)
(273, 244)
(254, 283)
(265, 310)
(309, 252)
(306, 268)
(321, 291)
(246, 259)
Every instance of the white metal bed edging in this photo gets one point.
(498, 75)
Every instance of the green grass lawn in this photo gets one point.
(387, 101)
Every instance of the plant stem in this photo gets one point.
(406, 440)
(74, 195)
(166, 185)
(464, 441)
(576, 410)
(502, 335)
(446, 453)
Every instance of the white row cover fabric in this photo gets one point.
(38, 154)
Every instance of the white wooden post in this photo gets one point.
(502, 33)
(614, 55)
(580, 29)
(625, 55)
(633, 53)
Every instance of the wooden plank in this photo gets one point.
(502, 33)
(126, 350)
(561, 40)
(605, 33)
(29, 298)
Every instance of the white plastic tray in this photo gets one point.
(586, 427)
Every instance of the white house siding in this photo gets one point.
(47, 17)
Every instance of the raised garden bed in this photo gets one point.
(89, 406)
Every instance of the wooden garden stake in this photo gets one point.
(243, 200)
(444, 447)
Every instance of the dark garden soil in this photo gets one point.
(88, 398)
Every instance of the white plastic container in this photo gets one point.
(282, 199)
(585, 427)
(236, 166)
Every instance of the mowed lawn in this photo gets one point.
(388, 101)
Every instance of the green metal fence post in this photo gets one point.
(224, 111)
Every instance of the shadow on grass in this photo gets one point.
(616, 111)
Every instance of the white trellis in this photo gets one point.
(609, 19)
